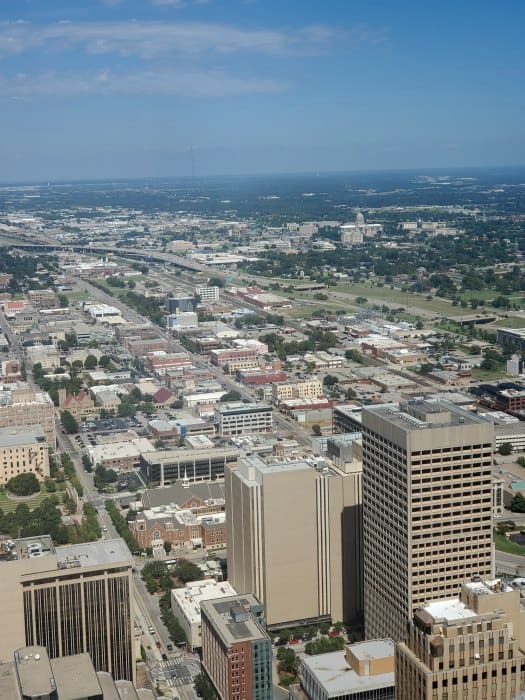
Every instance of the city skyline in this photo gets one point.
(156, 88)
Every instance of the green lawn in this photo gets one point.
(9, 504)
(505, 545)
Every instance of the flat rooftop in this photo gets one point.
(337, 678)
(194, 593)
(449, 609)
(75, 677)
(252, 467)
(232, 619)
(424, 413)
(373, 649)
(13, 437)
(93, 553)
(34, 672)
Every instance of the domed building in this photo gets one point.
(354, 234)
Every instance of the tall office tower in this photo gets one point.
(466, 647)
(73, 599)
(427, 508)
(294, 538)
(236, 651)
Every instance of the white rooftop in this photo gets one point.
(449, 609)
(190, 597)
(337, 678)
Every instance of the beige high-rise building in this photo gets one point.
(294, 538)
(469, 647)
(21, 406)
(23, 450)
(427, 508)
(72, 599)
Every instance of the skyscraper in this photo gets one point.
(73, 599)
(294, 538)
(466, 647)
(427, 508)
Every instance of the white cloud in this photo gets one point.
(152, 39)
(106, 82)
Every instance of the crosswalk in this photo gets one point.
(175, 672)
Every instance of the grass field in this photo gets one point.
(504, 545)
(395, 296)
(9, 504)
(510, 322)
(485, 375)
(76, 296)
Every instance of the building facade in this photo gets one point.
(310, 389)
(241, 418)
(72, 599)
(186, 606)
(466, 647)
(21, 406)
(23, 450)
(208, 295)
(294, 539)
(168, 466)
(236, 651)
(427, 508)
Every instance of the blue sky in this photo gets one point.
(124, 88)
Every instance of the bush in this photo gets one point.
(24, 484)
(121, 526)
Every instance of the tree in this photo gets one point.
(186, 571)
(63, 301)
(104, 361)
(86, 463)
(24, 484)
(288, 661)
(330, 380)
(103, 477)
(215, 282)
(518, 504)
(90, 362)
(167, 547)
(204, 687)
(69, 422)
(284, 636)
(505, 448)
(231, 396)
(316, 429)
(353, 355)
